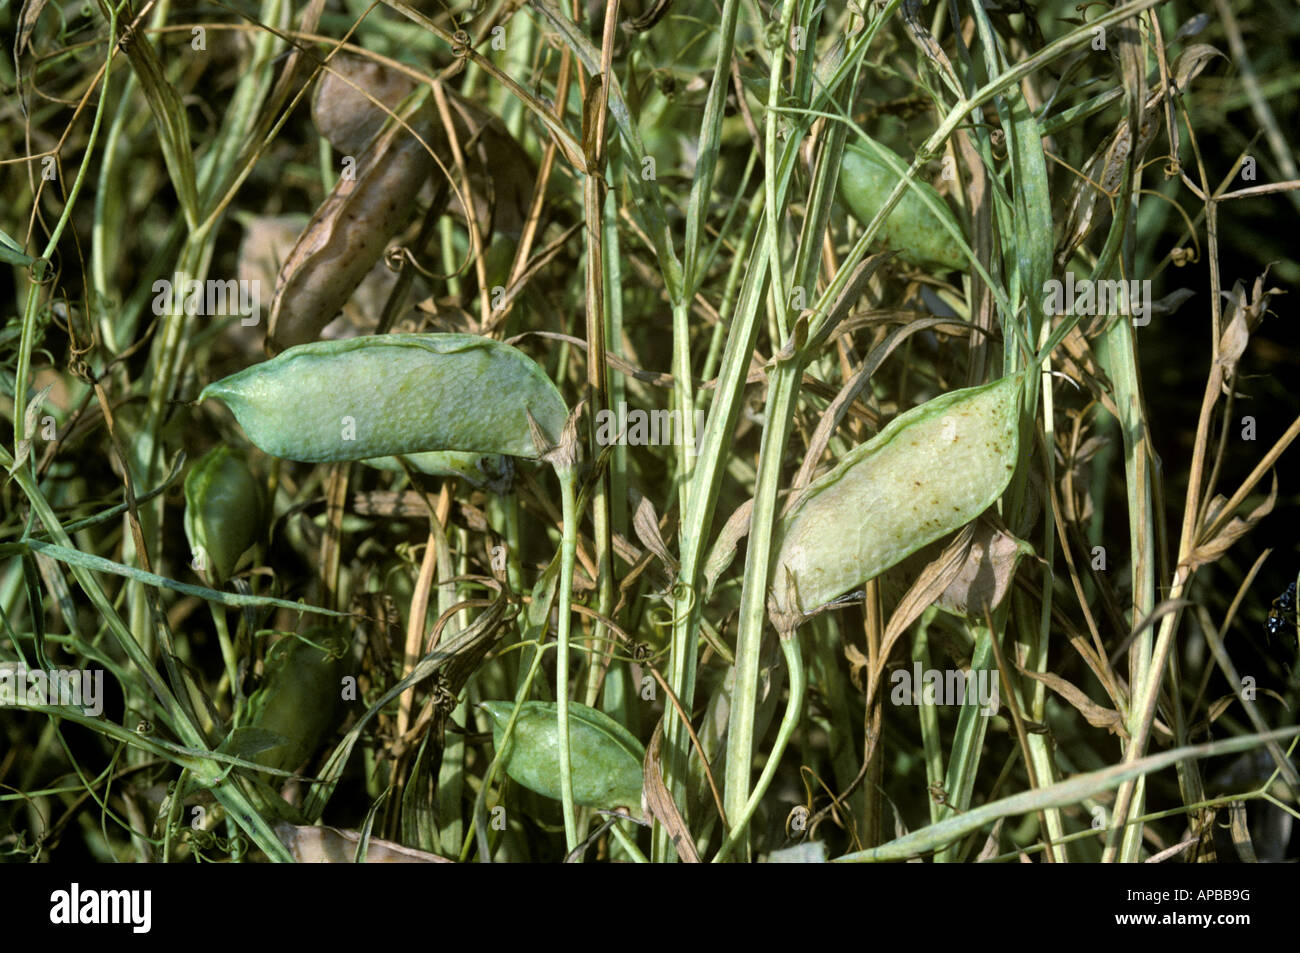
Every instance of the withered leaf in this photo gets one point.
(1096, 715)
(984, 578)
(1210, 550)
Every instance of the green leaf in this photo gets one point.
(77, 558)
(11, 253)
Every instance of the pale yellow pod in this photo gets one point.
(932, 470)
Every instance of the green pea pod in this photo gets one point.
(224, 510)
(477, 469)
(932, 470)
(605, 757)
(299, 700)
(912, 229)
(388, 394)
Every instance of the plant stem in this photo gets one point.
(568, 552)
(798, 681)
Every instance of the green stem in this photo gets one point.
(568, 551)
(749, 635)
(798, 681)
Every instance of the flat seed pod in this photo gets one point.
(932, 470)
(911, 229)
(605, 758)
(224, 510)
(388, 394)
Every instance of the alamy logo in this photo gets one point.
(211, 298)
(950, 687)
(1086, 296)
(642, 428)
(75, 905)
(68, 688)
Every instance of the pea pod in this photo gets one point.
(932, 470)
(348, 106)
(477, 469)
(350, 230)
(912, 229)
(224, 510)
(377, 396)
(606, 758)
(299, 699)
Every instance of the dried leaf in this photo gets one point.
(27, 18)
(985, 576)
(1096, 715)
(656, 802)
(1237, 824)
(1247, 313)
(858, 665)
(23, 447)
(329, 845)
(1191, 62)
(1236, 528)
(645, 523)
(932, 581)
(724, 547)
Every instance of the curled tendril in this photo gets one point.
(79, 369)
(41, 271)
(460, 43)
(662, 618)
(797, 831)
(773, 37)
(395, 258)
(202, 841)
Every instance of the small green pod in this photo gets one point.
(911, 229)
(930, 471)
(224, 510)
(604, 756)
(300, 697)
(477, 469)
(393, 394)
